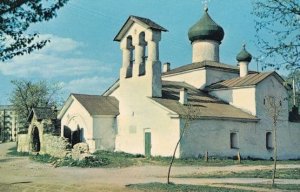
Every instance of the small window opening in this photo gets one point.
(269, 140)
(234, 141)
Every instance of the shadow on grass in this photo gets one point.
(163, 187)
(13, 152)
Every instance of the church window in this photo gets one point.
(269, 140)
(234, 140)
(144, 45)
(130, 47)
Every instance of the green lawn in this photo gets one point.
(267, 174)
(293, 187)
(120, 159)
(162, 187)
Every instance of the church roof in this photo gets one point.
(98, 105)
(209, 64)
(148, 23)
(41, 113)
(204, 105)
(206, 29)
(244, 55)
(249, 80)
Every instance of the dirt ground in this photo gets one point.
(19, 174)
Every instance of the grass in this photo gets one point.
(120, 159)
(163, 187)
(269, 186)
(267, 174)
(13, 152)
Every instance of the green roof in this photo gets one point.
(206, 29)
(244, 55)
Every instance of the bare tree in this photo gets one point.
(189, 115)
(275, 109)
(278, 32)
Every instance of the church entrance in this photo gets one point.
(36, 144)
(74, 137)
(147, 144)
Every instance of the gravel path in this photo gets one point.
(21, 174)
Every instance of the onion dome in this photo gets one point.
(244, 55)
(206, 29)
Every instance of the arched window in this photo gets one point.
(234, 144)
(130, 47)
(269, 140)
(143, 43)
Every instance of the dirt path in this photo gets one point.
(21, 174)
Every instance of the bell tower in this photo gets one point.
(141, 68)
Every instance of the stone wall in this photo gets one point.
(23, 143)
(56, 146)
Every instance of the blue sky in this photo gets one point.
(83, 57)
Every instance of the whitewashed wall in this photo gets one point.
(288, 133)
(143, 115)
(200, 78)
(196, 78)
(242, 98)
(104, 132)
(214, 136)
(75, 116)
(216, 75)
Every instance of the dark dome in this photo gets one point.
(244, 55)
(206, 29)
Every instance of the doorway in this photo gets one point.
(147, 144)
(36, 144)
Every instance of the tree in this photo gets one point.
(275, 109)
(15, 18)
(278, 32)
(189, 116)
(294, 95)
(27, 95)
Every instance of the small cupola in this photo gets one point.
(206, 36)
(244, 58)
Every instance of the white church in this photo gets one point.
(222, 108)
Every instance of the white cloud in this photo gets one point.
(59, 44)
(58, 59)
(88, 85)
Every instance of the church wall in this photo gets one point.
(77, 116)
(115, 93)
(287, 132)
(104, 132)
(242, 98)
(142, 116)
(214, 136)
(216, 75)
(196, 78)
(200, 78)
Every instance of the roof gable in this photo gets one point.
(249, 80)
(147, 23)
(41, 113)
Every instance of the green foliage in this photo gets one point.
(119, 159)
(15, 18)
(162, 187)
(278, 32)
(27, 95)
